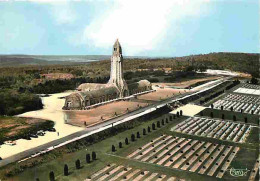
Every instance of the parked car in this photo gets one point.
(40, 133)
(10, 142)
(27, 137)
(33, 135)
(51, 129)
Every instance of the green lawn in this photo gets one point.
(106, 156)
(245, 159)
(102, 149)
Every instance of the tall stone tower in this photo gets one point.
(116, 74)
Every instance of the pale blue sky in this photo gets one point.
(144, 27)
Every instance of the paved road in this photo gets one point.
(32, 151)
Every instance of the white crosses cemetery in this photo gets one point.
(118, 172)
(187, 154)
(239, 103)
(214, 128)
(249, 89)
(254, 172)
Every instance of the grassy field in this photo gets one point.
(105, 156)
(12, 128)
(103, 149)
(254, 136)
(245, 159)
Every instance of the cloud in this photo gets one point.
(61, 10)
(63, 14)
(49, 1)
(140, 25)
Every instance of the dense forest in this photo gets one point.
(20, 84)
(243, 62)
(13, 102)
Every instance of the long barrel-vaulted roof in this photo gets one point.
(99, 93)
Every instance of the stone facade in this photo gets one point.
(89, 94)
(116, 74)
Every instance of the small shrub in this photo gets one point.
(126, 141)
(138, 134)
(181, 112)
(162, 121)
(120, 145)
(66, 170)
(51, 176)
(245, 119)
(94, 155)
(77, 164)
(133, 137)
(223, 116)
(153, 126)
(158, 124)
(113, 148)
(170, 118)
(88, 158)
(234, 118)
(144, 131)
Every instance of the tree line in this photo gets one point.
(13, 102)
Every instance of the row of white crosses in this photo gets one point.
(247, 104)
(251, 86)
(114, 172)
(214, 128)
(186, 154)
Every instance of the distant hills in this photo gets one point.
(18, 60)
(243, 62)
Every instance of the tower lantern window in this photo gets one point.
(114, 49)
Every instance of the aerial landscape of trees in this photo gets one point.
(13, 103)
(19, 84)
